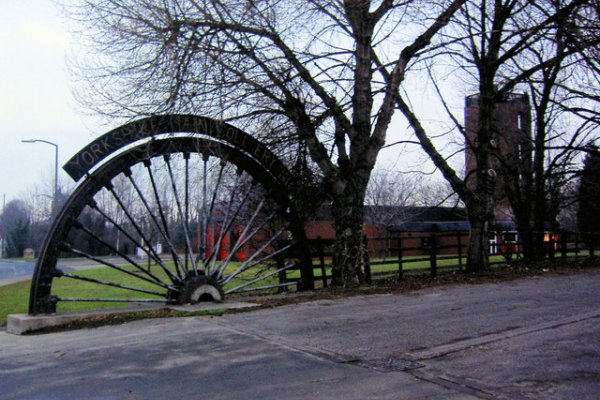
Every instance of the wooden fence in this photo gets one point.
(427, 252)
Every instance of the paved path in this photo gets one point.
(535, 338)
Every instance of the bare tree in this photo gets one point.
(565, 120)
(15, 228)
(483, 44)
(289, 70)
(387, 192)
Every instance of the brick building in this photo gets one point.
(413, 224)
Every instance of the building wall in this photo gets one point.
(325, 230)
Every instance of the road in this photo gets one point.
(533, 338)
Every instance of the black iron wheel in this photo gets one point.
(180, 219)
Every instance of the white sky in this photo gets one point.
(35, 96)
(36, 101)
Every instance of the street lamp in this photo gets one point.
(55, 196)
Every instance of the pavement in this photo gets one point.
(12, 271)
(15, 271)
(532, 338)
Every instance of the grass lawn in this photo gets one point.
(14, 298)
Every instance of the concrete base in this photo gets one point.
(19, 324)
(206, 306)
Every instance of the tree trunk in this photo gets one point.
(479, 244)
(526, 239)
(348, 249)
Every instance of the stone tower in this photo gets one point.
(512, 120)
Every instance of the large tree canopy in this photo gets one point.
(325, 74)
(328, 75)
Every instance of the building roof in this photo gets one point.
(418, 219)
(395, 215)
(438, 226)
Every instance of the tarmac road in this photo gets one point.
(534, 338)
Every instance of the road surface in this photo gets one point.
(533, 338)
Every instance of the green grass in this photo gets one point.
(409, 264)
(14, 298)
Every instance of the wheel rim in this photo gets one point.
(216, 213)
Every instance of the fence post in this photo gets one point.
(367, 260)
(509, 245)
(551, 247)
(563, 245)
(433, 252)
(592, 243)
(400, 269)
(458, 242)
(282, 274)
(322, 260)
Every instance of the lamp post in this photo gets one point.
(55, 195)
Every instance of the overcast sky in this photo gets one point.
(35, 97)
(36, 101)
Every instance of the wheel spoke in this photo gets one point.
(255, 263)
(158, 227)
(176, 259)
(188, 247)
(109, 300)
(109, 186)
(202, 252)
(243, 239)
(215, 215)
(237, 289)
(119, 253)
(254, 289)
(245, 264)
(151, 253)
(186, 157)
(228, 223)
(80, 253)
(112, 284)
(207, 216)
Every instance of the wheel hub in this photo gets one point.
(200, 289)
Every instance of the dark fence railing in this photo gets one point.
(427, 252)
